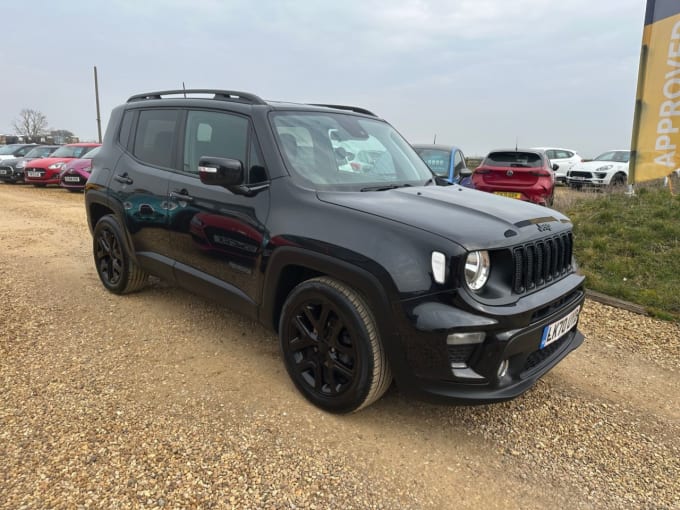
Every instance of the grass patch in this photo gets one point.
(629, 246)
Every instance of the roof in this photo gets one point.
(552, 148)
(513, 149)
(233, 96)
(433, 146)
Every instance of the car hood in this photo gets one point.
(470, 218)
(11, 161)
(78, 165)
(592, 166)
(45, 162)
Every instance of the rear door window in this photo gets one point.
(155, 137)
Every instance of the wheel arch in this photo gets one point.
(99, 205)
(290, 266)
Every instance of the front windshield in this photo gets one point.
(70, 151)
(8, 149)
(92, 153)
(438, 160)
(618, 156)
(39, 152)
(339, 151)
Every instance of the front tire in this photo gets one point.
(331, 346)
(618, 181)
(116, 269)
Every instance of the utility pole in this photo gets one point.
(96, 94)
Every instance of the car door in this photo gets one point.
(216, 236)
(139, 183)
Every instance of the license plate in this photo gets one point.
(33, 174)
(556, 330)
(577, 178)
(3, 172)
(508, 194)
(72, 179)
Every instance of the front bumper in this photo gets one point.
(469, 373)
(11, 174)
(41, 176)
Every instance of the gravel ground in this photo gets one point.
(163, 400)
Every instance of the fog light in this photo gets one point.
(503, 368)
(476, 337)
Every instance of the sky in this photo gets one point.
(479, 74)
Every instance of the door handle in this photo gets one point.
(182, 195)
(123, 178)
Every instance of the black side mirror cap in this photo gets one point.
(555, 167)
(220, 171)
(229, 174)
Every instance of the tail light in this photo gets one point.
(541, 173)
(355, 166)
(482, 171)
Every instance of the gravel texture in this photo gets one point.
(163, 400)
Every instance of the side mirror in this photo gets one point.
(555, 167)
(465, 172)
(220, 171)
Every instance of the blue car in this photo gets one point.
(447, 162)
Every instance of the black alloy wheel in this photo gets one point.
(331, 347)
(116, 270)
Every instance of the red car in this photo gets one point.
(524, 174)
(41, 172)
(74, 173)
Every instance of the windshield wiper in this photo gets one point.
(385, 187)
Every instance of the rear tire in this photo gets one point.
(331, 346)
(116, 269)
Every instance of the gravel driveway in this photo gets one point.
(164, 400)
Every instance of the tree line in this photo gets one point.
(32, 126)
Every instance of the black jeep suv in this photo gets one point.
(368, 272)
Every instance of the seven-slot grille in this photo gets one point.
(539, 263)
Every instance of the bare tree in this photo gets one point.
(30, 124)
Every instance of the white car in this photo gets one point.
(608, 169)
(565, 159)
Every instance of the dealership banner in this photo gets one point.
(655, 142)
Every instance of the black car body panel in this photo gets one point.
(250, 249)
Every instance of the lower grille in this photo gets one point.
(460, 354)
(537, 358)
(576, 173)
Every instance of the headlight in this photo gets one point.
(55, 166)
(604, 168)
(477, 267)
(21, 164)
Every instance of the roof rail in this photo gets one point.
(344, 107)
(223, 95)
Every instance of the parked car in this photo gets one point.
(41, 172)
(565, 159)
(608, 169)
(445, 161)
(75, 173)
(524, 174)
(12, 170)
(15, 150)
(366, 276)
